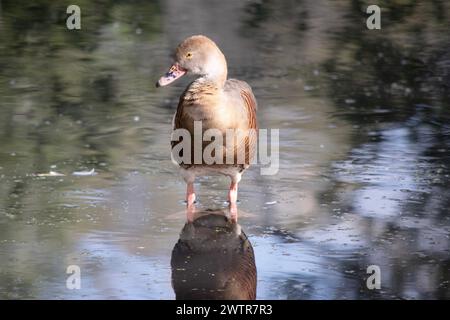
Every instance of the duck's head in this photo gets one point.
(197, 55)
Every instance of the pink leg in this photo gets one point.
(190, 213)
(232, 193)
(233, 212)
(190, 194)
(232, 197)
(190, 199)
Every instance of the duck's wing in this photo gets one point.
(244, 105)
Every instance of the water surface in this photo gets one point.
(364, 146)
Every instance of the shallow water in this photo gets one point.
(364, 147)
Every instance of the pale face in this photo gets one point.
(196, 55)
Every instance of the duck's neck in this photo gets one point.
(203, 85)
(216, 70)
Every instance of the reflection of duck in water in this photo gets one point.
(213, 259)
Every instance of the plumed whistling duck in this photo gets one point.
(219, 103)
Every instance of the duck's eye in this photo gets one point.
(189, 55)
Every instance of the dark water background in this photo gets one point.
(364, 119)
